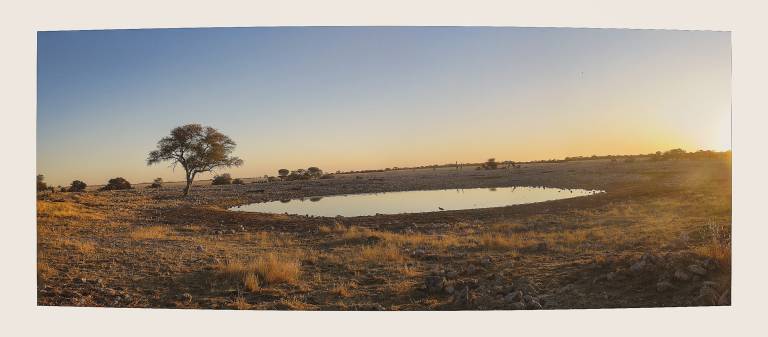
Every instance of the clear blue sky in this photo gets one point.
(375, 97)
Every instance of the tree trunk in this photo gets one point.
(189, 177)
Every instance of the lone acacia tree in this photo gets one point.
(197, 149)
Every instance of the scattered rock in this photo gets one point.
(471, 269)
(725, 298)
(529, 299)
(463, 296)
(486, 261)
(599, 278)
(565, 288)
(515, 296)
(434, 283)
(707, 296)
(533, 305)
(200, 248)
(451, 274)
(663, 286)
(697, 269)
(186, 297)
(517, 306)
(449, 290)
(681, 275)
(638, 266)
(419, 252)
(710, 264)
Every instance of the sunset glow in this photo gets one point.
(368, 98)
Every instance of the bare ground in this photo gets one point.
(660, 236)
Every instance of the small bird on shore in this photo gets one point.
(440, 208)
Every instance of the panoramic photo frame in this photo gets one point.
(497, 255)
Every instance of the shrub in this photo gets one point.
(237, 181)
(223, 179)
(272, 178)
(77, 186)
(490, 164)
(300, 174)
(118, 183)
(315, 172)
(283, 173)
(41, 186)
(327, 176)
(157, 183)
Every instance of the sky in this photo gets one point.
(353, 98)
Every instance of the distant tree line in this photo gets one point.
(303, 174)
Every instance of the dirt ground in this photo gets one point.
(659, 236)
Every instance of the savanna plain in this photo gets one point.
(659, 236)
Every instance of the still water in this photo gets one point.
(413, 201)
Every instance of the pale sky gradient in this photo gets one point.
(375, 97)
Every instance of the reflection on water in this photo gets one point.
(413, 201)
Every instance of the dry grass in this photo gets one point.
(343, 289)
(271, 269)
(240, 303)
(45, 271)
(380, 253)
(405, 270)
(718, 246)
(415, 239)
(150, 233)
(251, 282)
(66, 210)
(73, 244)
(501, 242)
(336, 228)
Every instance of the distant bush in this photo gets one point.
(302, 174)
(157, 183)
(272, 178)
(490, 164)
(237, 181)
(629, 160)
(77, 186)
(315, 172)
(223, 179)
(283, 173)
(118, 183)
(41, 186)
(327, 176)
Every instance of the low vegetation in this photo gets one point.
(659, 236)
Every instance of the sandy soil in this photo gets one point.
(660, 236)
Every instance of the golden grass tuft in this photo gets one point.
(501, 242)
(343, 289)
(271, 269)
(240, 303)
(66, 210)
(82, 246)
(251, 282)
(150, 233)
(45, 271)
(336, 228)
(380, 253)
(718, 247)
(405, 270)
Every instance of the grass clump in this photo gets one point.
(270, 269)
(380, 253)
(150, 233)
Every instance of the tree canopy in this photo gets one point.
(197, 149)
